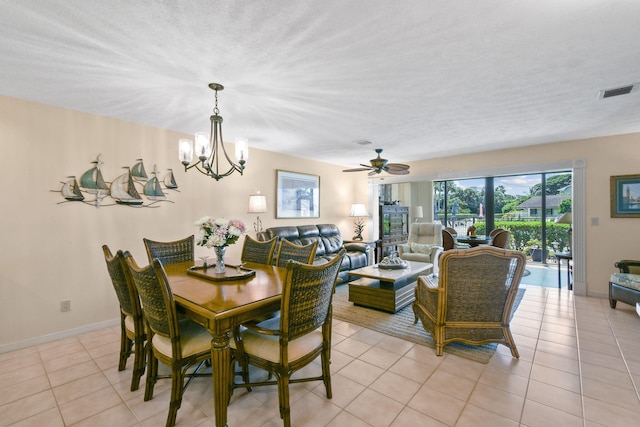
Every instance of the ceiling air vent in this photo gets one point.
(624, 90)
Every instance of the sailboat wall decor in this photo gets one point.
(133, 188)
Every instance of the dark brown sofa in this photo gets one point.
(329, 244)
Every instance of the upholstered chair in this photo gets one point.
(424, 243)
(625, 285)
(178, 343)
(471, 299)
(170, 252)
(284, 345)
(132, 329)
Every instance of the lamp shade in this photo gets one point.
(257, 203)
(358, 209)
(416, 211)
(564, 219)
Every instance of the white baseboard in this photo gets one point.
(5, 348)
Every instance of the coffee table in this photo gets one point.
(387, 290)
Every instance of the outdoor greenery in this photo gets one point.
(464, 208)
(525, 235)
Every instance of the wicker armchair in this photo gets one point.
(284, 345)
(178, 344)
(170, 252)
(256, 251)
(287, 250)
(625, 285)
(132, 331)
(472, 298)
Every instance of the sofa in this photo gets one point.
(329, 244)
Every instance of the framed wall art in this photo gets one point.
(297, 195)
(625, 196)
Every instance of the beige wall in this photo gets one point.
(52, 252)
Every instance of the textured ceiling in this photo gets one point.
(420, 79)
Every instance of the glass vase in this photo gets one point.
(220, 251)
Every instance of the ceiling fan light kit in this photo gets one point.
(379, 165)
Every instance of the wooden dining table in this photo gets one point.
(219, 305)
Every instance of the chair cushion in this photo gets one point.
(268, 346)
(193, 339)
(129, 325)
(421, 248)
(626, 280)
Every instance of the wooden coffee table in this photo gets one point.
(387, 290)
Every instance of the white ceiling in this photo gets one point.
(421, 79)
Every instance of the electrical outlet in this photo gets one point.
(65, 305)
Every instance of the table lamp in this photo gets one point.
(358, 211)
(257, 204)
(566, 219)
(416, 213)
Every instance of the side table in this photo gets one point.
(568, 257)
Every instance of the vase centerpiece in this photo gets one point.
(218, 233)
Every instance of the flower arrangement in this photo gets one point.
(218, 232)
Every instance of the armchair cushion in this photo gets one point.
(421, 248)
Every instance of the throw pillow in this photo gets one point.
(421, 248)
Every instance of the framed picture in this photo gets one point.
(625, 196)
(298, 195)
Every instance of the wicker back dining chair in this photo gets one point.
(501, 239)
(132, 329)
(456, 244)
(179, 345)
(170, 252)
(471, 300)
(286, 344)
(301, 253)
(256, 251)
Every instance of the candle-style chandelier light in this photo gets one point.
(210, 147)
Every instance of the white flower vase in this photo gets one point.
(220, 251)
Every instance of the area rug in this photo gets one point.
(401, 325)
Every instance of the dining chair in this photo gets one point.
(301, 253)
(284, 345)
(256, 251)
(472, 298)
(170, 252)
(132, 329)
(457, 244)
(501, 239)
(178, 343)
(495, 231)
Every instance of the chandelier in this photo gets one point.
(210, 148)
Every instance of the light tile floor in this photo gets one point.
(579, 366)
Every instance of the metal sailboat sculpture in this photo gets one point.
(138, 172)
(71, 190)
(169, 180)
(152, 188)
(92, 180)
(123, 190)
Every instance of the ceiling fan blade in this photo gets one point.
(397, 166)
(373, 172)
(356, 170)
(398, 172)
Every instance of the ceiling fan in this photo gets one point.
(379, 165)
